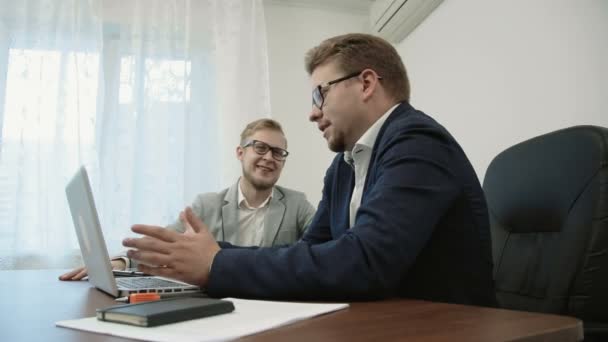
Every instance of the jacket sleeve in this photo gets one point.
(198, 207)
(410, 188)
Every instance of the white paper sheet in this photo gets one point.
(249, 317)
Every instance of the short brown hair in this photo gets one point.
(261, 124)
(357, 51)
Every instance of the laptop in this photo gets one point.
(94, 251)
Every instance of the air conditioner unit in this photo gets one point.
(393, 20)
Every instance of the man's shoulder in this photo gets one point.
(409, 121)
(212, 197)
(407, 116)
(288, 194)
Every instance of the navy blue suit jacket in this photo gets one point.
(421, 231)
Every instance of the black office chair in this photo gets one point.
(548, 204)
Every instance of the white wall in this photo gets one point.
(292, 30)
(494, 73)
(499, 72)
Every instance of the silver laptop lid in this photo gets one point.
(90, 237)
(94, 250)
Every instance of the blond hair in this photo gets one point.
(357, 51)
(259, 125)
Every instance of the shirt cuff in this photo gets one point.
(125, 259)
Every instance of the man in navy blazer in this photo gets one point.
(402, 212)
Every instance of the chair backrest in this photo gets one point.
(548, 204)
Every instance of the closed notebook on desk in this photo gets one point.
(149, 314)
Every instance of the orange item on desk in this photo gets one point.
(143, 297)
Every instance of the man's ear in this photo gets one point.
(370, 82)
(239, 153)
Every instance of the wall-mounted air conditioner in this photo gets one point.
(393, 20)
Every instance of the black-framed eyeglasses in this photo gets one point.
(318, 98)
(262, 148)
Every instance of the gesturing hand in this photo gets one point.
(186, 257)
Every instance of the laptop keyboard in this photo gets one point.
(146, 283)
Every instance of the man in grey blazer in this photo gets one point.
(253, 211)
(287, 216)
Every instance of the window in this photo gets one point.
(132, 90)
(50, 118)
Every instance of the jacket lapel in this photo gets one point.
(274, 217)
(230, 214)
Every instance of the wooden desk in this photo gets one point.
(32, 301)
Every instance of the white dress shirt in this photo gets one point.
(251, 221)
(359, 158)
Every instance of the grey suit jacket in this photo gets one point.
(289, 214)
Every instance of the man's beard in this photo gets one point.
(336, 145)
(258, 185)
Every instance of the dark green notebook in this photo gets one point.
(150, 314)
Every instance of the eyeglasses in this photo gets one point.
(318, 98)
(262, 148)
(317, 94)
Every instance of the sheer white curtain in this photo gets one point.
(150, 95)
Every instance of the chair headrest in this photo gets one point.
(531, 186)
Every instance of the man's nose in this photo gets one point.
(315, 114)
(267, 155)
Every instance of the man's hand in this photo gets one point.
(81, 272)
(186, 257)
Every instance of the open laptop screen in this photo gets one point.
(90, 236)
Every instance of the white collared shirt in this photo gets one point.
(251, 220)
(359, 158)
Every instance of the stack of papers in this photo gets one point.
(249, 317)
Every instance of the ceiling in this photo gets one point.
(361, 6)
